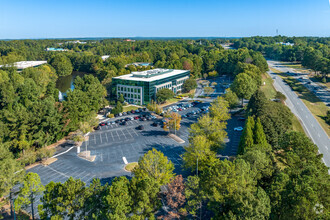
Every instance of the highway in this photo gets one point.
(310, 124)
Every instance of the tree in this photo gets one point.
(175, 199)
(144, 193)
(63, 200)
(219, 109)
(212, 128)
(189, 85)
(258, 133)
(173, 122)
(62, 65)
(164, 94)
(194, 196)
(208, 90)
(205, 75)
(246, 141)
(244, 86)
(117, 109)
(231, 98)
(198, 154)
(119, 201)
(11, 173)
(121, 98)
(30, 190)
(156, 166)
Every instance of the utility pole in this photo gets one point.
(197, 167)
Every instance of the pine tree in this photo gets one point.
(246, 141)
(259, 135)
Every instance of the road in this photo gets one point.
(322, 92)
(310, 124)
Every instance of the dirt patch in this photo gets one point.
(49, 161)
(129, 167)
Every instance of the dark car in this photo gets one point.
(97, 128)
(116, 115)
(117, 121)
(124, 113)
(143, 119)
(145, 109)
(140, 109)
(155, 124)
(241, 119)
(148, 118)
(132, 111)
(128, 112)
(124, 123)
(140, 127)
(127, 119)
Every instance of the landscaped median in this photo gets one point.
(130, 167)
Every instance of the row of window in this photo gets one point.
(128, 95)
(167, 86)
(126, 89)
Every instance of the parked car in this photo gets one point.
(136, 117)
(124, 123)
(183, 116)
(238, 129)
(128, 112)
(140, 127)
(145, 109)
(241, 119)
(108, 123)
(113, 122)
(137, 111)
(124, 113)
(102, 124)
(117, 121)
(116, 115)
(155, 124)
(127, 119)
(97, 128)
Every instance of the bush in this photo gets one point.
(28, 157)
(280, 96)
(44, 153)
(110, 115)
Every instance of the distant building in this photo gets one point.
(56, 49)
(141, 87)
(138, 64)
(75, 42)
(105, 57)
(129, 40)
(25, 64)
(285, 44)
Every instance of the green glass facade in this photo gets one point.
(149, 88)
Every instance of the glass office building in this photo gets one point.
(141, 87)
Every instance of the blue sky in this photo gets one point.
(162, 18)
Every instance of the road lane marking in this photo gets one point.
(94, 139)
(326, 147)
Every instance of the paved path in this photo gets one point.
(311, 125)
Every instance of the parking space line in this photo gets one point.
(130, 134)
(94, 139)
(112, 136)
(100, 138)
(118, 135)
(134, 132)
(106, 135)
(123, 134)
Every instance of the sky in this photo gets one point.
(24, 19)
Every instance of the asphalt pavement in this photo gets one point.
(310, 124)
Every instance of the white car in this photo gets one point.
(238, 129)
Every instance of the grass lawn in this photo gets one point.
(188, 93)
(270, 93)
(129, 108)
(268, 88)
(170, 101)
(313, 103)
(131, 166)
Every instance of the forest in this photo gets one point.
(312, 52)
(278, 173)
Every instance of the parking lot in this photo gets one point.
(114, 143)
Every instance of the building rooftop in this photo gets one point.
(26, 64)
(150, 75)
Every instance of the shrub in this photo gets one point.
(110, 115)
